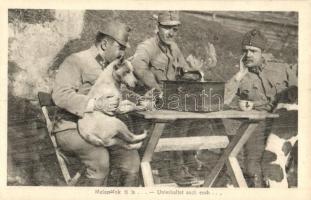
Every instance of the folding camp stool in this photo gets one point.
(45, 101)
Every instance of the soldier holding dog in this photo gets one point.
(73, 81)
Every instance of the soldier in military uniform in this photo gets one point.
(158, 59)
(73, 81)
(260, 81)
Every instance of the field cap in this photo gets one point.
(118, 31)
(255, 38)
(169, 18)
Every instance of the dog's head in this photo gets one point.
(125, 73)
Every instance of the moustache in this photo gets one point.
(169, 37)
(248, 60)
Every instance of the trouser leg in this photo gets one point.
(96, 159)
(206, 127)
(254, 149)
(178, 129)
(126, 163)
(178, 169)
(207, 158)
(183, 160)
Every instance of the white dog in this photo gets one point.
(106, 129)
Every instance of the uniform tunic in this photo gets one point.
(73, 81)
(261, 85)
(154, 62)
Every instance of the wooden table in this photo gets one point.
(229, 157)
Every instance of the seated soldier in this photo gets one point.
(158, 59)
(261, 81)
(73, 81)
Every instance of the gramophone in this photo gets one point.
(191, 93)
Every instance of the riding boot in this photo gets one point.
(179, 172)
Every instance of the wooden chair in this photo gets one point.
(45, 101)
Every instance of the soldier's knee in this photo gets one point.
(131, 163)
(97, 163)
(103, 164)
(101, 159)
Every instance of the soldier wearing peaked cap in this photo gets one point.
(118, 31)
(261, 81)
(158, 59)
(73, 81)
(169, 18)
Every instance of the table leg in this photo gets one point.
(145, 163)
(235, 172)
(229, 157)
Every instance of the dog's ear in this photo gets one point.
(118, 71)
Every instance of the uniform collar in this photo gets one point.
(258, 69)
(94, 53)
(164, 48)
(255, 70)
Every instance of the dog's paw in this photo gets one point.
(94, 140)
(134, 146)
(141, 136)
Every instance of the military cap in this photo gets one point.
(118, 31)
(255, 38)
(169, 18)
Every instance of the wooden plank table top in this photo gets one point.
(226, 114)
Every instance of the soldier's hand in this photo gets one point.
(243, 69)
(287, 106)
(107, 105)
(148, 101)
(126, 106)
(147, 104)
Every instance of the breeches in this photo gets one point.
(254, 149)
(98, 159)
